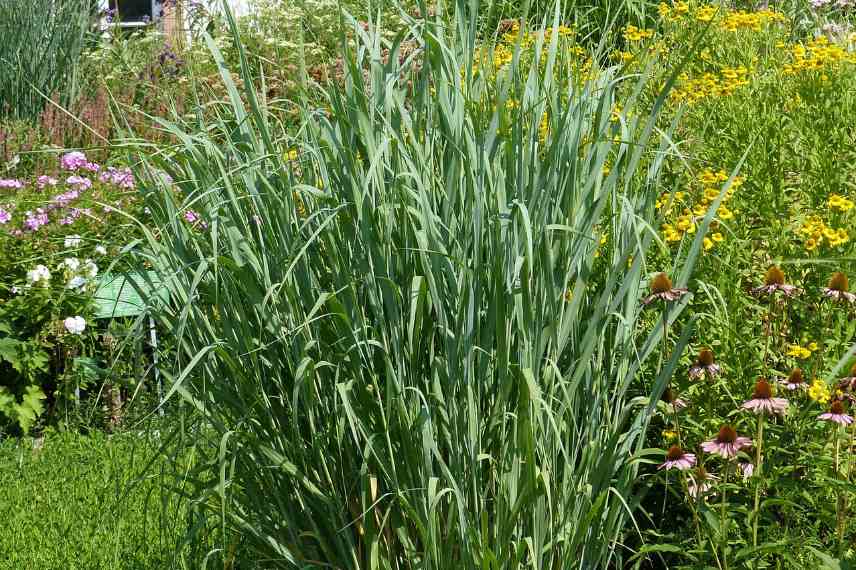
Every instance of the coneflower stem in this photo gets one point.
(768, 329)
(757, 472)
(723, 529)
(840, 504)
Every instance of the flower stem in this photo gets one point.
(841, 502)
(723, 529)
(758, 468)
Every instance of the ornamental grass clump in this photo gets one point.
(390, 372)
(40, 46)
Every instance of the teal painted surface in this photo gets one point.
(117, 295)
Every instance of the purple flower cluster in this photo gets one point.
(11, 183)
(34, 220)
(61, 207)
(44, 180)
(121, 177)
(79, 182)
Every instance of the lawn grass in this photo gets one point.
(77, 503)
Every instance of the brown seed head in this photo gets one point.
(726, 434)
(705, 357)
(837, 407)
(669, 395)
(675, 452)
(763, 390)
(853, 369)
(701, 473)
(838, 282)
(796, 376)
(661, 284)
(774, 276)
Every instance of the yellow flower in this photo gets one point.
(812, 346)
(717, 237)
(797, 351)
(670, 435)
(819, 391)
(841, 203)
(708, 243)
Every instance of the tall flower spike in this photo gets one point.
(836, 414)
(726, 443)
(795, 380)
(704, 365)
(774, 280)
(838, 288)
(762, 400)
(661, 288)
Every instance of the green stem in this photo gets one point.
(841, 502)
(758, 469)
(723, 529)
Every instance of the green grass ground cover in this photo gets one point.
(78, 502)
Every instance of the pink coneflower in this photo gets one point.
(774, 280)
(763, 401)
(838, 288)
(672, 400)
(661, 288)
(700, 482)
(191, 216)
(677, 458)
(726, 443)
(794, 381)
(836, 414)
(5, 217)
(704, 365)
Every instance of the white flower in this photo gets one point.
(90, 269)
(39, 274)
(15, 290)
(71, 263)
(100, 250)
(76, 283)
(75, 325)
(72, 241)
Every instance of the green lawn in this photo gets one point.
(77, 503)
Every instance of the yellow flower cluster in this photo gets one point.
(634, 34)
(840, 203)
(755, 21)
(731, 20)
(818, 55)
(802, 352)
(686, 222)
(815, 231)
(674, 12)
(819, 391)
(710, 85)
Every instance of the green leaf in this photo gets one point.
(30, 408)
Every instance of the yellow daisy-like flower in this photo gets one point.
(819, 391)
(797, 351)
